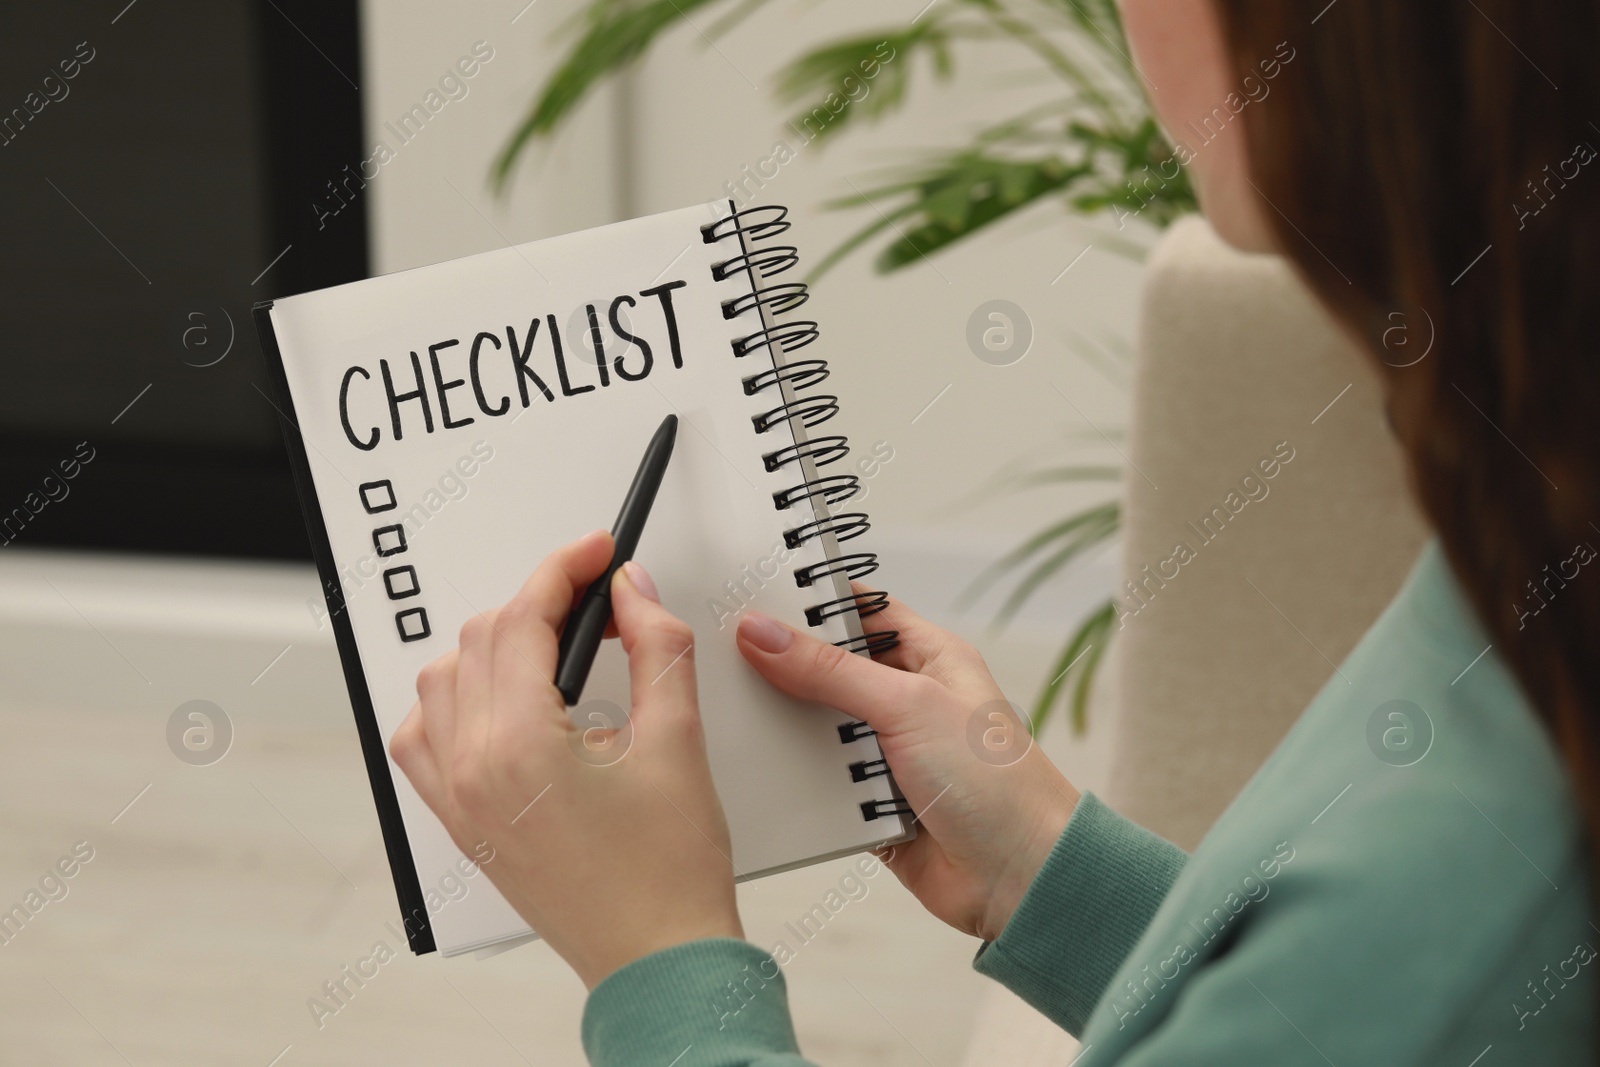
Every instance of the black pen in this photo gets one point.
(587, 624)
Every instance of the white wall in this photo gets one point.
(433, 200)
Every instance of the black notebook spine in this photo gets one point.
(787, 382)
(407, 885)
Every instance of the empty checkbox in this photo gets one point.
(389, 540)
(377, 496)
(412, 624)
(401, 582)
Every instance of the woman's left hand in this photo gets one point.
(609, 859)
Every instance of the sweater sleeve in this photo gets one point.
(719, 1002)
(1083, 913)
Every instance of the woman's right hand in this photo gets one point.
(989, 805)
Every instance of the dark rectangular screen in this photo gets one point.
(160, 166)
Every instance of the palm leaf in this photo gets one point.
(728, 21)
(955, 196)
(1134, 173)
(950, 199)
(1080, 656)
(1099, 159)
(828, 72)
(1073, 546)
(1101, 24)
(1090, 88)
(619, 32)
(1093, 519)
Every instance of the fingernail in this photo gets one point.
(769, 635)
(641, 580)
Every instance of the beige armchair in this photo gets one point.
(1259, 444)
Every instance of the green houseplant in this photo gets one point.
(1090, 146)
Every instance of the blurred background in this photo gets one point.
(203, 156)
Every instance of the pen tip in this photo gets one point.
(669, 425)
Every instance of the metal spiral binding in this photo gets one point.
(882, 809)
(861, 770)
(801, 374)
(819, 450)
(810, 410)
(786, 296)
(765, 221)
(863, 604)
(873, 643)
(802, 412)
(769, 261)
(854, 731)
(855, 565)
(843, 526)
(790, 337)
(832, 489)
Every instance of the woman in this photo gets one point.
(1344, 911)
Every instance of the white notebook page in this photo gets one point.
(482, 502)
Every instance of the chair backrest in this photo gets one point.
(1267, 523)
(1235, 636)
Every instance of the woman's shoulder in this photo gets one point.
(1430, 756)
(1436, 832)
(1443, 726)
(1395, 876)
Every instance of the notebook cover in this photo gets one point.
(483, 499)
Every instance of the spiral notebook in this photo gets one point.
(450, 425)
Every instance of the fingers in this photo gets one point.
(435, 711)
(804, 667)
(660, 646)
(527, 628)
(411, 752)
(474, 693)
(922, 644)
(531, 620)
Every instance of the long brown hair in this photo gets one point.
(1431, 165)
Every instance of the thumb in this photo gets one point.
(660, 646)
(804, 667)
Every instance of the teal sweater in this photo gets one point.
(1403, 882)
